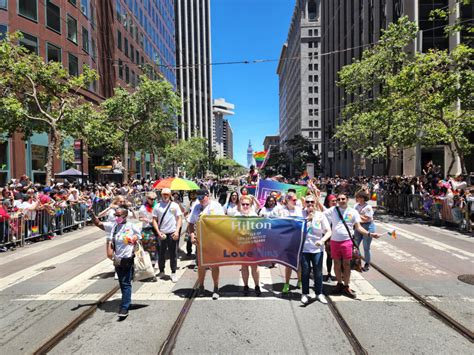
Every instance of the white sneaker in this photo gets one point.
(215, 294)
(304, 299)
(174, 278)
(115, 276)
(321, 298)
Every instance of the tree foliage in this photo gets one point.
(192, 155)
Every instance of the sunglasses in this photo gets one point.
(151, 199)
(201, 197)
(245, 204)
(309, 201)
(341, 199)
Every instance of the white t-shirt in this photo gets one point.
(28, 209)
(143, 213)
(365, 210)
(230, 209)
(315, 232)
(339, 232)
(126, 237)
(285, 212)
(269, 212)
(169, 223)
(212, 209)
(251, 214)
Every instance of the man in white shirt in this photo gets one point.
(341, 241)
(167, 222)
(204, 207)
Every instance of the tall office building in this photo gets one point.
(222, 135)
(194, 74)
(114, 37)
(299, 76)
(349, 26)
(250, 159)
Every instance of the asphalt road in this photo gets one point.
(45, 285)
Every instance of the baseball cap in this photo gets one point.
(201, 193)
(166, 191)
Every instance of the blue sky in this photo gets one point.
(249, 30)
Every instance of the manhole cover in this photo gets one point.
(47, 268)
(467, 278)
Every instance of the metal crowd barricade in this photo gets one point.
(19, 229)
(438, 211)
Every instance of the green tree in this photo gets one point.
(373, 125)
(36, 96)
(192, 154)
(300, 152)
(144, 118)
(438, 86)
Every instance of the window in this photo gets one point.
(119, 40)
(310, 112)
(71, 29)
(28, 9)
(3, 31)
(316, 135)
(74, 2)
(85, 39)
(310, 101)
(120, 69)
(133, 78)
(125, 46)
(311, 123)
(310, 66)
(137, 57)
(310, 78)
(53, 16)
(310, 134)
(73, 65)
(310, 33)
(316, 101)
(316, 89)
(310, 44)
(310, 89)
(85, 7)
(316, 123)
(29, 42)
(3, 4)
(127, 74)
(312, 10)
(132, 53)
(53, 53)
(93, 49)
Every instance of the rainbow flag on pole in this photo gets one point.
(260, 158)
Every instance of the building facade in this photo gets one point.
(271, 141)
(222, 135)
(299, 76)
(194, 74)
(348, 27)
(250, 159)
(117, 38)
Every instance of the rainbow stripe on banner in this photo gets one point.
(260, 158)
(227, 240)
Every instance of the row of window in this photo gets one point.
(314, 134)
(313, 44)
(313, 123)
(312, 66)
(129, 51)
(313, 89)
(313, 78)
(313, 112)
(313, 101)
(130, 76)
(312, 32)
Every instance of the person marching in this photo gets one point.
(232, 206)
(290, 210)
(246, 211)
(205, 207)
(192, 201)
(270, 209)
(329, 201)
(167, 223)
(344, 221)
(367, 221)
(318, 232)
(149, 237)
(120, 248)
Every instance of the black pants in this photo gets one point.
(172, 247)
(189, 247)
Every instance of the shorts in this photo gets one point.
(341, 250)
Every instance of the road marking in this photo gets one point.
(417, 266)
(453, 251)
(39, 247)
(32, 271)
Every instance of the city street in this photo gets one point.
(44, 286)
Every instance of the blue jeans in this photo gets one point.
(125, 275)
(359, 238)
(314, 260)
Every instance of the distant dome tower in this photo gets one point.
(250, 155)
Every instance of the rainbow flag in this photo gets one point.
(304, 176)
(34, 230)
(260, 158)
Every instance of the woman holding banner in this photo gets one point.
(290, 210)
(246, 211)
(270, 209)
(232, 205)
(318, 232)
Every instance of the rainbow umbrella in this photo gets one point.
(176, 184)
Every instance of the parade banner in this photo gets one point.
(265, 187)
(227, 240)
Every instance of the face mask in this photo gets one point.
(119, 220)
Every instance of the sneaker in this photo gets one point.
(321, 298)
(333, 278)
(174, 278)
(123, 313)
(258, 292)
(161, 274)
(201, 291)
(326, 278)
(215, 294)
(115, 276)
(286, 288)
(246, 290)
(347, 291)
(304, 299)
(365, 268)
(298, 285)
(338, 289)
